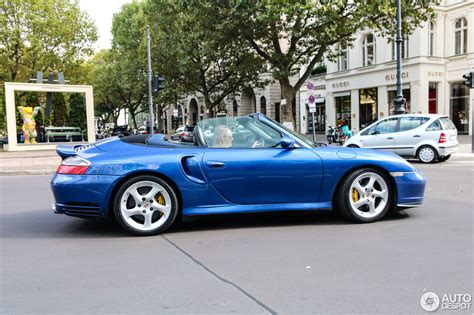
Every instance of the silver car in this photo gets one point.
(429, 137)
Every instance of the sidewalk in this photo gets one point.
(46, 162)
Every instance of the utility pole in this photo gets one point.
(399, 101)
(150, 98)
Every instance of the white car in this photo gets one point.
(429, 137)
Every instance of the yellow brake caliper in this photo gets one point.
(355, 195)
(161, 200)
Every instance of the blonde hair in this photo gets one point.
(219, 137)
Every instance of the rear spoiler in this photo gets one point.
(65, 151)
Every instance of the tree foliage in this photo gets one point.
(195, 54)
(292, 36)
(77, 111)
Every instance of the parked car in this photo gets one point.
(184, 134)
(142, 130)
(429, 137)
(177, 134)
(146, 182)
(55, 134)
(120, 131)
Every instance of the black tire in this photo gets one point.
(343, 195)
(353, 146)
(427, 154)
(173, 199)
(443, 158)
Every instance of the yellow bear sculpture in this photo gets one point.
(28, 115)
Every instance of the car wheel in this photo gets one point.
(443, 158)
(145, 205)
(364, 196)
(353, 146)
(427, 154)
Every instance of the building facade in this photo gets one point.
(360, 86)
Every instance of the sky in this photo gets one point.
(102, 11)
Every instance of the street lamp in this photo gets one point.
(399, 101)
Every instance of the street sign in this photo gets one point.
(309, 86)
(312, 109)
(175, 112)
(311, 99)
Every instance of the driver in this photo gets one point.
(223, 138)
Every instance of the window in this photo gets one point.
(343, 110)
(409, 123)
(431, 39)
(435, 125)
(459, 106)
(460, 36)
(391, 101)
(367, 106)
(342, 63)
(404, 49)
(385, 126)
(368, 50)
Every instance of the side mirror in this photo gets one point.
(374, 132)
(287, 142)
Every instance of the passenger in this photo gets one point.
(345, 129)
(222, 137)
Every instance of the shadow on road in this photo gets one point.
(42, 224)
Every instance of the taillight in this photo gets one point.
(442, 138)
(184, 134)
(73, 165)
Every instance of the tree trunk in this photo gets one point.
(286, 111)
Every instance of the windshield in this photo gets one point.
(294, 133)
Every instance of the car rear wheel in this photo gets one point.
(145, 205)
(364, 196)
(352, 146)
(443, 158)
(427, 154)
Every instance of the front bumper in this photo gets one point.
(85, 196)
(410, 189)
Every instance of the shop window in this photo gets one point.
(459, 107)
(367, 106)
(432, 98)
(391, 101)
(343, 110)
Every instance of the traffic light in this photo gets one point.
(468, 78)
(158, 83)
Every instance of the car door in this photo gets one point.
(255, 169)
(264, 175)
(381, 135)
(411, 132)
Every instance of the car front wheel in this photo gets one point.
(145, 205)
(427, 154)
(364, 196)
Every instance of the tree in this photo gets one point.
(101, 76)
(294, 36)
(52, 35)
(42, 35)
(59, 109)
(194, 57)
(77, 111)
(128, 58)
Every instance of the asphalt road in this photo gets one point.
(283, 263)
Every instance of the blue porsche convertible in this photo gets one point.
(235, 165)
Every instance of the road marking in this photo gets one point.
(217, 276)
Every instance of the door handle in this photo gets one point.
(390, 138)
(215, 164)
(416, 136)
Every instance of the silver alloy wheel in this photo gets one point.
(368, 195)
(426, 154)
(143, 208)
